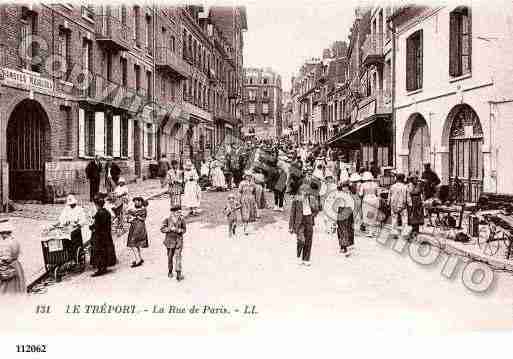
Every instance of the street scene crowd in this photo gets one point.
(312, 178)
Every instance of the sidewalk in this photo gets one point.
(493, 253)
(31, 219)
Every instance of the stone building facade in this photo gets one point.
(114, 81)
(262, 116)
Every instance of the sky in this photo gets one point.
(283, 34)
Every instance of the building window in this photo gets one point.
(149, 84)
(108, 57)
(64, 36)
(123, 15)
(124, 136)
(137, 70)
(163, 88)
(108, 134)
(460, 42)
(149, 39)
(124, 71)
(89, 133)
(149, 140)
(172, 43)
(87, 60)
(414, 61)
(265, 108)
(137, 20)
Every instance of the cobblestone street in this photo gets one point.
(374, 288)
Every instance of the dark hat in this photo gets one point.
(138, 198)
(175, 208)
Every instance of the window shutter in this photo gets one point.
(130, 137)
(116, 136)
(469, 14)
(99, 133)
(453, 44)
(420, 57)
(409, 64)
(81, 132)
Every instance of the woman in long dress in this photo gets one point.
(103, 253)
(247, 200)
(345, 218)
(137, 234)
(12, 278)
(218, 179)
(259, 182)
(174, 182)
(370, 203)
(415, 206)
(192, 190)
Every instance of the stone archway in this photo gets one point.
(28, 148)
(416, 142)
(463, 134)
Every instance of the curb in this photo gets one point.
(454, 248)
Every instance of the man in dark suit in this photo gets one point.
(303, 210)
(93, 172)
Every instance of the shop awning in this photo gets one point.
(355, 128)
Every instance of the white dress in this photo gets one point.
(218, 179)
(192, 190)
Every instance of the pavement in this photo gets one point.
(31, 218)
(374, 289)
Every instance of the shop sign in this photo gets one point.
(26, 81)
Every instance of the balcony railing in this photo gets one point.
(167, 61)
(111, 32)
(373, 50)
(97, 89)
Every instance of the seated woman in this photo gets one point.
(73, 216)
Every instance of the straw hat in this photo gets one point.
(367, 176)
(71, 200)
(121, 180)
(6, 226)
(355, 177)
(187, 164)
(248, 173)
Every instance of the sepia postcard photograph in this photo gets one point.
(288, 169)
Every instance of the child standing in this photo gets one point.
(137, 234)
(231, 214)
(174, 228)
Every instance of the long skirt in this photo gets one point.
(260, 196)
(218, 179)
(345, 231)
(191, 195)
(416, 211)
(249, 208)
(16, 285)
(137, 235)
